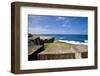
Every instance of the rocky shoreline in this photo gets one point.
(56, 49)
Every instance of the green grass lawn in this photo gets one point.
(62, 44)
(46, 45)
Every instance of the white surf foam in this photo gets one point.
(74, 42)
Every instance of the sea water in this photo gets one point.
(69, 37)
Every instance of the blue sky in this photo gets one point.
(57, 24)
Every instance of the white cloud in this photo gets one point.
(68, 26)
(37, 30)
(60, 18)
(66, 21)
(64, 25)
(35, 19)
(64, 31)
(69, 21)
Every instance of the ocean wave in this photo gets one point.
(74, 42)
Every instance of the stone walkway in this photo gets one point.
(57, 51)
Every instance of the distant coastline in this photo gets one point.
(47, 47)
(68, 37)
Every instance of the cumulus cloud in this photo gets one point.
(64, 25)
(68, 22)
(37, 30)
(56, 25)
(60, 18)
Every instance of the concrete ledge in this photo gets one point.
(56, 56)
(33, 52)
(82, 50)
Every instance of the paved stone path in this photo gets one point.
(57, 49)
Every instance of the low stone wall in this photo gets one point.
(56, 56)
(34, 55)
(84, 55)
(81, 50)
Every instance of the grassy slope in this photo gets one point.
(64, 45)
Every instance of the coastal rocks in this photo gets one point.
(40, 40)
(57, 49)
(36, 45)
(47, 39)
(33, 41)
